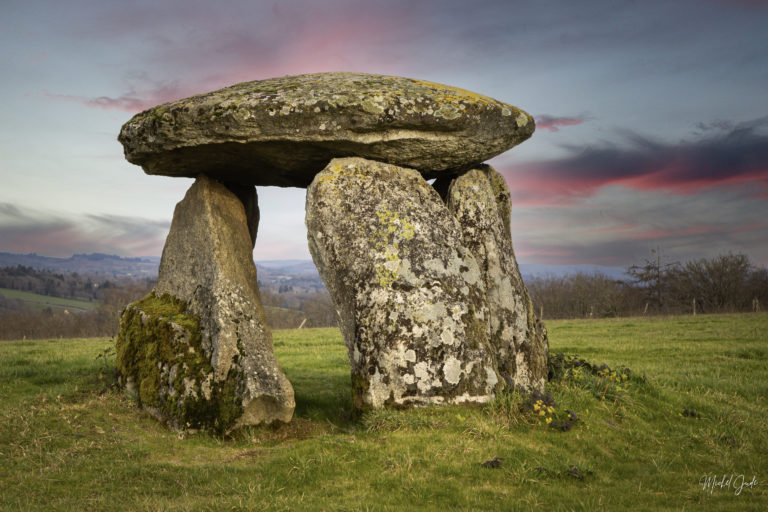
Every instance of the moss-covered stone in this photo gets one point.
(160, 351)
(208, 263)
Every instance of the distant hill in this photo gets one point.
(86, 264)
(301, 275)
(289, 275)
(298, 275)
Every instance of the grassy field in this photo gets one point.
(36, 301)
(693, 411)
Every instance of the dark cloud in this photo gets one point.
(735, 154)
(23, 231)
(716, 125)
(679, 244)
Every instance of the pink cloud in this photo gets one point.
(286, 40)
(131, 101)
(553, 124)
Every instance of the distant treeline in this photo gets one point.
(53, 284)
(289, 309)
(727, 283)
(18, 321)
(284, 307)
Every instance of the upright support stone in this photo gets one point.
(411, 298)
(480, 201)
(206, 302)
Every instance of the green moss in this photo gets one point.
(159, 348)
(148, 388)
(360, 388)
(169, 307)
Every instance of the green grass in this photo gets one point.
(69, 442)
(40, 302)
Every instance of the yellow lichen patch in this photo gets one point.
(456, 92)
(388, 271)
(336, 170)
(392, 222)
(393, 228)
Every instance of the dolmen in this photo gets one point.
(409, 230)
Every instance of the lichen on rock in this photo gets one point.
(480, 201)
(282, 131)
(411, 298)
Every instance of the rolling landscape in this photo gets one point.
(662, 408)
(684, 430)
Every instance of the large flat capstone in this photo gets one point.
(283, 131)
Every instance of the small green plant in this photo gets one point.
(603, 382)
(546, 412)
(507, 406)
(107, 371)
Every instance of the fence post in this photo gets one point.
(694, 306)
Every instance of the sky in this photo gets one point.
(652, 116)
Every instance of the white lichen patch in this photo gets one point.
(447, 337)
(491, 378)
(452, 370)
(205, 387)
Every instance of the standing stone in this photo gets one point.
(198, 348)
(480, 201)
(411, 298)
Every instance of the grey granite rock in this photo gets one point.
(411, 298)
(481, 203)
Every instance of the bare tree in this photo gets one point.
(653, 277)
